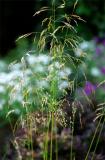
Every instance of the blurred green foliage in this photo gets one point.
(93, 11)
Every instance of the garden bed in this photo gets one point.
(83, 140)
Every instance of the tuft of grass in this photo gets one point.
(59, 39)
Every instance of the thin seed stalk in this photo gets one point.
(46, 143)
(98, 138)
(52, 128)
(72, 129)
(56, 143)
(86, 158)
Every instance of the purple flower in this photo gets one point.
(102, 70)
(98, 51)
(103, 42)
(97, 39)
(89, 88)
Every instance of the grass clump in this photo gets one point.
(54, 120)
(59, 39)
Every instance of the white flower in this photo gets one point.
(57, 65)
(43, 59)
(84, 45)
(67, 71)
(39, 68)
(2, 89)
(15, 74)
(79, 52)
(3, 78)
(64, 73)
(95, 72)
(28, 72)
(63, 85)
(15, 67)
(31, 59)
(51, 68)
(42, 84)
